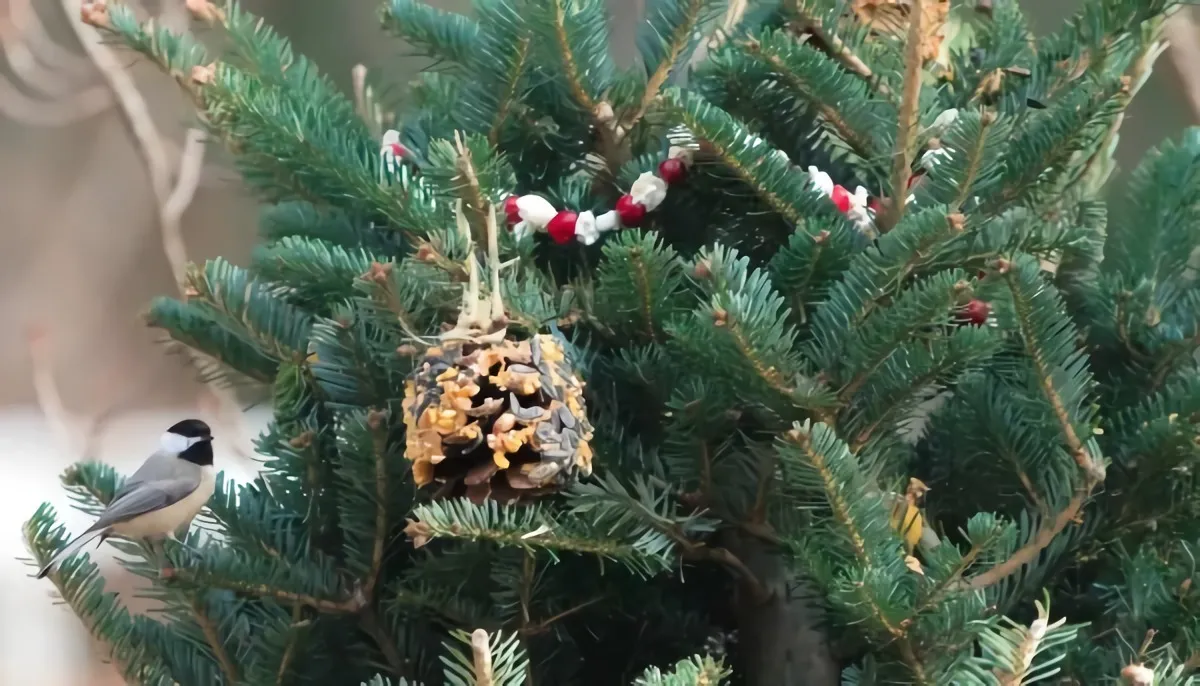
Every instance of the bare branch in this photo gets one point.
(191, 163)
(171, 197)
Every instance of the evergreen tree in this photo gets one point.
(940, 430)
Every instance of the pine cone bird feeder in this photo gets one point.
(487, 415)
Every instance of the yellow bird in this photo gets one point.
(906, 517)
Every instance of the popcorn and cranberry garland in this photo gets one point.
(855, 206)
(530, 213)
(533, 213)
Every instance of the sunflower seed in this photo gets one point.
(535, 348)
(565, 416)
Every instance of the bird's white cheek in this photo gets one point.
(173, 443)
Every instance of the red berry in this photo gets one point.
(511, 211)
(631, 213)
(841, 199)
(976, 312)
(562, 227)
(399, 150)
(672, 171)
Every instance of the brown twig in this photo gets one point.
(906, 122)
(377, 421)
(370, 624)
(213, 637)
(544, 624)
(474, 204)
(290, 648)
(803, 22)
(351, 604)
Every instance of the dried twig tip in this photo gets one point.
(481, 654)
(95, 13)
(206, 11)
(204, 74)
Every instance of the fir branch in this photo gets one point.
(611, 534)
(694, 671)
(494, 660)
(745, 318)
(907, 119)
(215, 641)
(438, 33)
(502, 58)
(1050, 348)
(661, 53)
(803, 21)
(207, 573)
(929, 302)
(573, 73)
(977, 156)
(873, 277)
(637, 287)
(820, 472)
(132, 641)
(820, 85)
(370, 623)
(757, 164)
(1033, 336)
(511, 90)
(100, 483)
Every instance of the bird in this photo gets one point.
(162, 497)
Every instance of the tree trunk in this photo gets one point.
(780, 642)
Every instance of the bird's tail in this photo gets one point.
(69, 550)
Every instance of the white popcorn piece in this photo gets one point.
(649, 191)
(535, 210)
(585, 228)
(609, 221)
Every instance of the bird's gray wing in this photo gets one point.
(147, 496)
(159, 466)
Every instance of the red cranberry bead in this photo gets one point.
(631, 212)
(976, 312)
(511, 211)
(672, 171)
(841, 199)
(562, 227)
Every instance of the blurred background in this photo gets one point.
(83, 250)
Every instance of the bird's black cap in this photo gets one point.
(200, 452)
(191, 428)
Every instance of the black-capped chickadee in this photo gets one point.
(162, 496)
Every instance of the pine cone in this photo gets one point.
(505, 420)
